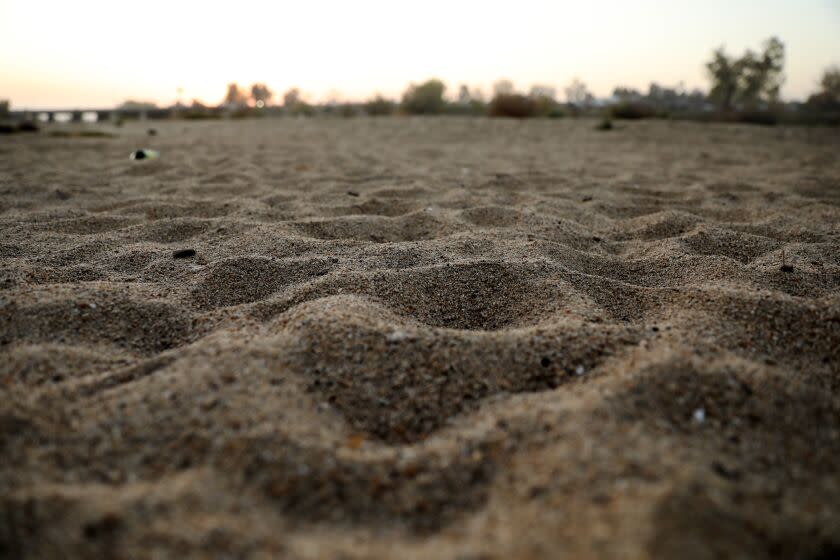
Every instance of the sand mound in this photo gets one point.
(446, 338)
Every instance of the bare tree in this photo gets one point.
(234, 95)
(464, 96)
(577, 94)
(503, 87)
(543, 92)
(291, 98)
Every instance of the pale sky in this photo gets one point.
(97, 53)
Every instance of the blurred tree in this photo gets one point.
(464, 96)
(379, 106)
(543, 92)
(545, 101)
(577, 94)
(425, 98)
(747, 81)
(4, 107)
(294, 104)
(512, 105)
(830, 83)
(234, 95)
(828, 98)
(470, 102)
(761, 74)
(627, 94)
(132, 105)
(503, 87)
(261, 95)
(724, 74)
(291, 98)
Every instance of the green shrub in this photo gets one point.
(512, 105)
(80, 134)
(425, 98)
(197, 115)
(348, 110)
(632, 111)
(28, 126)
(12, 128)
(379, 106)
(764, 118)
(545, 98)
(605, 124)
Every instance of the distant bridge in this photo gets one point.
(92, 115)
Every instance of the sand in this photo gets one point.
(421, 338)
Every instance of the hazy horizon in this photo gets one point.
(93, 54)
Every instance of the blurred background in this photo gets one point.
(534, 58)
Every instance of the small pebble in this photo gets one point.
(699, 415)
(352, 193)
(786, 268)
(580, 370)
(396, 336)
(184, 253)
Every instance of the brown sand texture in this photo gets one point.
(421, 338)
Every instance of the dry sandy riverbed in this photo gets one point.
(430, 338)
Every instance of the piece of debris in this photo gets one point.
(785, 266)
(144, 154)
(152, 132)
(184, 253)
(352, 193)
(725, 472)
(586, 198)
(580, 370)
(699, 415)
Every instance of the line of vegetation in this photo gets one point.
(742, 89)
